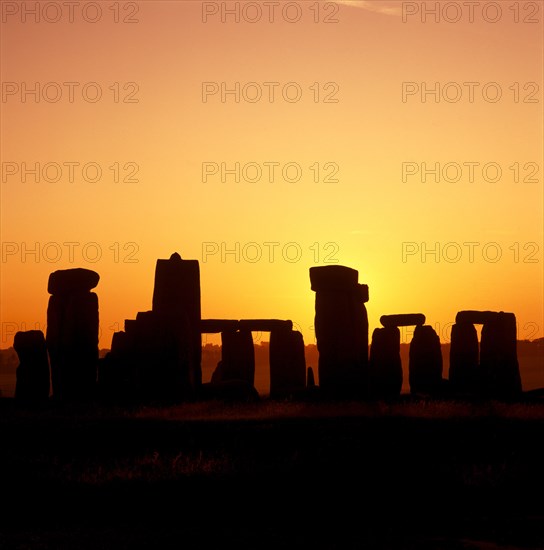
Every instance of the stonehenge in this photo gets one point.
(425, 357)
(341, 328)
(72, 333)
(495, 373)
(158, 355)
(287, 362)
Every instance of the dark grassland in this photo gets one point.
(414, 473)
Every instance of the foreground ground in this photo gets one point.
(412, 474)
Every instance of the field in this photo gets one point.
(413, 473)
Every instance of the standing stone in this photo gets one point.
(498, 357)
(176, 301)
(425, 363)
(32, 384)
(385, 363)
(237, 358)
(116, 376)
(72, 333)
(464, 369)
(287, 363)
(341, 328)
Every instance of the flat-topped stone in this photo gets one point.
(475, 317)
(177, 287)
(402, 320)
(265, 325)
(69, 281)
(333, 278)
(211, 326)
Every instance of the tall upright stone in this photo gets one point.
(33, 377)
(498, 357)
(425, 361)
(385, 363)
(464, 362)
(176, 303)
(341, 328)
(72, 333)
(118, 378)
(287, 363)
(237, 358)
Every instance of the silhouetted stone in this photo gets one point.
(464, 370)
(402, 320)
(210, 326)
(287, 363)
(385, 363)
(474, 317)
(264, 325)
(341, 328)
(237, 358)
(118, 376)
(32, 384)
(362, 293)
(72, 334)
(333, 277)
(70, 281)
(498, 356)
(176, 299)
(425, 366)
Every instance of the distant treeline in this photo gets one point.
(530, 356)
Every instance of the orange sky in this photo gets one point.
(364, 60)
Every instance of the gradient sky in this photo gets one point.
(367, 215)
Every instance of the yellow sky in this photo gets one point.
(350, 124)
